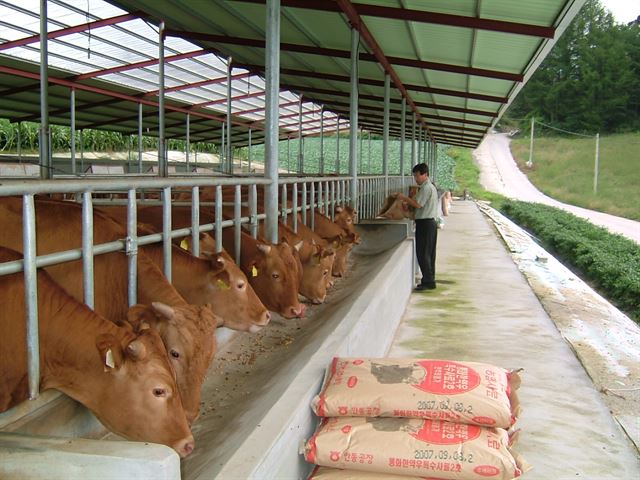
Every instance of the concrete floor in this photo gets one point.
(484, 310)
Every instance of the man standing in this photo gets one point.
(425, 203)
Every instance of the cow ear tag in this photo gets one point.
(108, 360)
(222, 285)
(254, 271)
(184, 244)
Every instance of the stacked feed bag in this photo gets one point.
(424, 418)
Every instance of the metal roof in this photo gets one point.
(458, 63)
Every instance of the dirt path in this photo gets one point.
(499, 173)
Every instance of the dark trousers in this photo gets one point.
(426, 239)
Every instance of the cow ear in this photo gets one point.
(298, 245)
(338, 209)
(136, 350)
(217, 262)
(110, 351)
(207, 243)
(263, 248)
(140, 317)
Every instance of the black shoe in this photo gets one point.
(425, 286)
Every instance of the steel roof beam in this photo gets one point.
(422, 16)
(332, 52)
(202, 83)
(21, 42)
(143, 64)
(380, 83)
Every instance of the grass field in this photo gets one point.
(563, 168)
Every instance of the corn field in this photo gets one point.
(92, 140)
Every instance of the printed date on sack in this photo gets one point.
(443, 455)
(447, 404)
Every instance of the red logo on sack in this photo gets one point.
(358, 362)
(346, 429)
(484, 420)
(343, 410)
(446, 433)
(487, 470)
(335, 456)
(445, 377)
(352, 381)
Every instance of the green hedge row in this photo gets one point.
(611, 263)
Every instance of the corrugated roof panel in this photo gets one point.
(444, 44)
(534, 12)
(508, 53)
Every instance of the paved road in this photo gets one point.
(499, 173)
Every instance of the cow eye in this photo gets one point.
(175, 353)
(241, 284)
(275, 276)
(325, 273)
(159, 392)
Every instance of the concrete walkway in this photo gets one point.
(484, 310)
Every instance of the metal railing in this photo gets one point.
(303, 195)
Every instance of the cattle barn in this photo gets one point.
(246, 76)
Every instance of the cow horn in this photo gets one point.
(136, 350)
(163, 309)
(298, 245)
(263, 248)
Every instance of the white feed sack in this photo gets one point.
(461, 392)
(414, 447)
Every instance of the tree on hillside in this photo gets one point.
(590, 81)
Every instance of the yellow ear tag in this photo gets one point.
(222, 285)
(109, 359)
(254, 271)
(184, 244)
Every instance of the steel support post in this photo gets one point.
(272, 114)
(131, 248)
(229, 150)
(187, 141)
(72, 131)
(300, 168)
(413, 139)
(385, 134)
(353, 117)
(31, 294)
(322, 140)
(139, 138)
(337, 169)
(45, 158)
(163, 169)
(403, 124)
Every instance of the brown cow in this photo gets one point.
(396, 209)
(278, 291)
(122, 375)
(316, 262)
(345, 217)
(330, 231)
(188, 333)
(215, 279)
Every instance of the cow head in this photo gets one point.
(345, 217)
(136, 395)
(188, 334)
(342, 254)
(273, 273)
(316, 274)
(234, 298)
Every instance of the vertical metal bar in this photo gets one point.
(132, 248)
(597, 165)
(249, 153)
(294, 201)
(322, 140)
(313, 203)
(222, 154)
(419, 147)
(19, 142)
(332, 206)
(218, 207)
(326, 197)
(284, 203)
(533, 128)
(31, 294)
(87, 248)
(272, 114)
(81, 152)
(237, 213)
(369, 141)
(187, 142)
(413, 139)
(163, 169)
(166, 231)
(337, 169)
(229, 150)
(72, 131)
(403, 125)
(385, 134)
(288, 153)
(253, 210)
(300, 168)
(320, 198)
(361, 151)
(139, 138)
(195, 221)
(353, 117)
(45, 158)
(304, 203)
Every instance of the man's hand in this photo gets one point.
(395, 195)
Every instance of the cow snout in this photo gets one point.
(255, 328)
(265, 318)
(185, 446)
(298, 311)
(318, 300)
